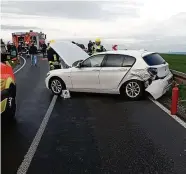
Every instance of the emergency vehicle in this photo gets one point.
(7, 87)
(26, 38)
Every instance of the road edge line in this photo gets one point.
(23, 168)
(22, 65)
(175, 117)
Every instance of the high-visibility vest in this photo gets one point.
(55, 57)
(95, 47)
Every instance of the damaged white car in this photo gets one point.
(126, 72)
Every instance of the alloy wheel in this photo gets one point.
(56, 86)
(132, 89)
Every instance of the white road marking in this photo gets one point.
(33, 147)
(21, 66)
(175, 117)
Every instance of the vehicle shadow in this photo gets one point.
(114, 97)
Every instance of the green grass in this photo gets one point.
(176, 62)
(182, 93)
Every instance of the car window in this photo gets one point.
(114, 60)
(128, 61)
(94, 61)
(154, 59)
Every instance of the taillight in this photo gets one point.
(152, 71)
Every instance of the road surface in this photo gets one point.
(90, 133)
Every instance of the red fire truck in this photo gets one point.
(25, 38)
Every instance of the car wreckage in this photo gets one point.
(126, 72)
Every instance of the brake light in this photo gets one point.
(152, 71)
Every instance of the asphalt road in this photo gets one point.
(90, 133)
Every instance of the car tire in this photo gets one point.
(56, 85)
(133, 90)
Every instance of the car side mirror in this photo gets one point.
(79, 65)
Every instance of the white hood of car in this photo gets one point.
(69, 52)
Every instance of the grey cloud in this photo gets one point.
(17, 27)
(71, 9)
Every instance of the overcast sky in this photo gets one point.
(158, 25)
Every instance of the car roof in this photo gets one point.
(133, 53)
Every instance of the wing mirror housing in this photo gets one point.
(79, 65)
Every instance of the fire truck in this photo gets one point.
(26, 38)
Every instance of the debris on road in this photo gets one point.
(65, 94)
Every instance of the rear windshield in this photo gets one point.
(154, 59)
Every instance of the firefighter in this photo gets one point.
(90, 45)
(8, 46)
(53, 59)
(97, 47)
(44, 47)
(14, 53)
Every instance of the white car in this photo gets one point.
(126, 72)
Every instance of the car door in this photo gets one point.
(114, 68)
(87, 76)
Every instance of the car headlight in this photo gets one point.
(48, 74)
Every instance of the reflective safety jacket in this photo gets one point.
(97, 49)
(53, 57)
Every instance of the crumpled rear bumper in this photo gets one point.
(159, 87)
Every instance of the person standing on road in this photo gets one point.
(90, 44)
(8, 46)
(44, 47)
(53, 59)
(14, 53)
(33, 54)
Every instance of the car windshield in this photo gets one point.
(154, 59)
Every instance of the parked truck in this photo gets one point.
(26, 38)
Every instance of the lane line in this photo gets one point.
(21, 66)
(175, 117)
(23, 168)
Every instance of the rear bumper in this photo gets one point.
(159, 87)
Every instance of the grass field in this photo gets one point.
(176, 62)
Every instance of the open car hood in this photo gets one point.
(69, 52)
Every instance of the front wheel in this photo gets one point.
(56, 85)
(133, 90)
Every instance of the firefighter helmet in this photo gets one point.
(98, 40)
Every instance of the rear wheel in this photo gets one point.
(133, 89)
